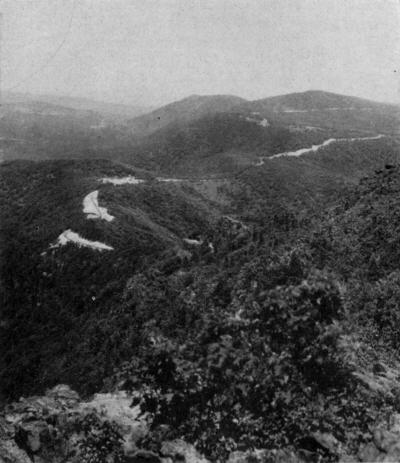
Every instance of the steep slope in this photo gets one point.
(238, 136)
(365, 230)
(320, 176)
(61, 262)
(292, 340)
(92, 226)
(200, 135)
(211, 145)
(229, 147)
(277, 330)
(186, 110)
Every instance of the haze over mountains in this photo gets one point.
(199, 126)
(197, 106)
(231, 265)
(79, 103)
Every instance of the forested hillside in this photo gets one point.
(186, 110)
(232, 282)
(263, 322)
(208, 136)
(196, 136)
(301, 327)
(48, 291)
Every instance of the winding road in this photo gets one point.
(313, 149)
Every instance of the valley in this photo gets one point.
(216, 273)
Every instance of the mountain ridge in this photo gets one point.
(186, 109)
(232, 274)
(107, 109)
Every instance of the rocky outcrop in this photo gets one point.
(59, 427)
(385, 444)
(180, 451)
(117, 407)
(381, 379)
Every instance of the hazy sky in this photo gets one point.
(155, 51)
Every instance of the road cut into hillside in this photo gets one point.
(93, 210)
(68, 236)
(129, 180)
(313, 148)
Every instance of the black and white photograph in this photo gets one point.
(199, 231)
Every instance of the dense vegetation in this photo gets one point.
(196, 136)
(215, 340)
(214, 144)
(51, 296)
(271, 332)
(252, 334)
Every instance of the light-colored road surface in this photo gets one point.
(344, 108)
(162, 179)
(68, 236)
(315, 148)
(93, 210)
(312, 149)
(122, 180)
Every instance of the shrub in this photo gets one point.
(100, 440)
(377, 308)
(247, 381)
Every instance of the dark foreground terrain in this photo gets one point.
(222, 304)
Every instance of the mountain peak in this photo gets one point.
(188, 109)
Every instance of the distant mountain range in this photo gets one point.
(196, 136)
(196, 106)
(111, 110)
(223, 134)
(315, 100)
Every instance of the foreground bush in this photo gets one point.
(248, 380)
(377, 309)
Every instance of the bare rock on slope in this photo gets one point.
(59, 427)
(265, 456)
(179, 450)
(385, 446)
